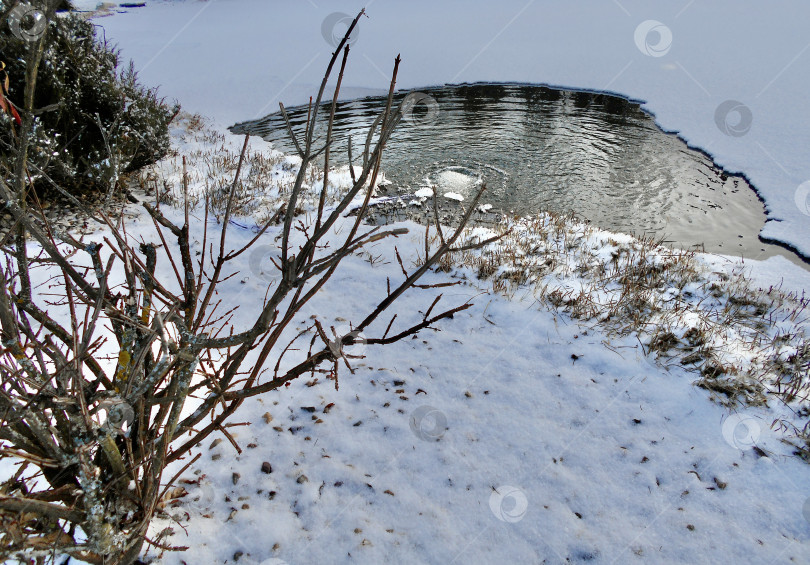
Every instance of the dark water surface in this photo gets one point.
(539, 148)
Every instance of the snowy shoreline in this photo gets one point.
(791, 252)
(728, 56)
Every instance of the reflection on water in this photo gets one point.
(540, 148)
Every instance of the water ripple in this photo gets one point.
(539, 148)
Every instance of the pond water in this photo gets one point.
(540, 148)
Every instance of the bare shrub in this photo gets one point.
(91, 435)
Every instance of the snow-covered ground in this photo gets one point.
(510, 436)
(514, 434)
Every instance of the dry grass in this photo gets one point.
(747, 346)
(211, 160)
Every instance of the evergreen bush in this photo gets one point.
(93, 120)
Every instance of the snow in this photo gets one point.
(562, 432)
(509, 434)
(776, 272)
(239, 58)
